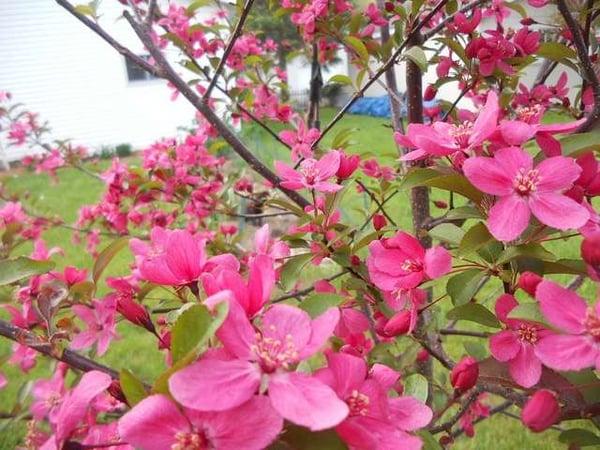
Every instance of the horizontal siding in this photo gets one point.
(57, 67)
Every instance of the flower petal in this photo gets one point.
(504, 346)
(557, 174)
(488, 176)
(438, 262)
(408, 413)
(508, 218)
(562, 307)
(566, 352)
(306, 401)
(525, 368)
(558, 211)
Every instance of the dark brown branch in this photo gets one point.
(74, 360)
(451, 332)
(382, 70)
(588, 73)
(306, 291)
(232, 39)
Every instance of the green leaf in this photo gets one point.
(449, 182)
(292, 269)
(474, 312)
(417, 386)
(429, 442)
(528, 311)
(556, 51)
(316, 304)
(286, 206)
(476, 350)
(106, 256)
(580, 437)
(464, 212)
(196, 4)
(531, 250)
(417, 55)
(463, 286)
(132, 387)
(192, 328)
(16, 269)
(161, 385)
(358, 46)
(569, 266)
(447, 232)
(86, 10)
(577, 144)
(339, 78)
(300, 438)
(476, 237)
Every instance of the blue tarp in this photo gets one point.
(379, 106)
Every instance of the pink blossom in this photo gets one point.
(156, 423)
(301, 140)
(262, 361)
(100, 321)
(523, 189)
(376, 421)
(401, 262)
(174, 258)
(442, 139)
(464, 375)
(49, 395)
(24, 356)
(517, 344)
(541, 411)
(312, 174)
(578, 347)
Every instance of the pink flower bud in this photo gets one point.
(423, 355)
(228, 229)
(465, 373)
(348, 165)
(528, 281)
(440, 204)
(430, 93)
(541, 411)
(590, 252)
(379, 221)
(399, 324)
(134, 312)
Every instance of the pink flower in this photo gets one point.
(49, 395)
(100, 321)
(300, 140)
(541, 411)
(442, 139)
(376, 421)
(401, 262)
(579, 347)
(156, 423)
(264, 360)
(523, 190)
(312, 174)
(174, 258)
(516, 345)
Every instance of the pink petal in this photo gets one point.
(562, 307)
(504, 346)
(508, 218)
(409, 414)
(347, 373)
(261, 280)
(408, 244)
(322, 329)
(328, 188)
(306, 401)
(515, 132)
(215, 385)
(549, 144)
(557, 173)
(438, 262)
(526, 368)
(185, 256)
(504, 305)
(251, 426)
(512, 159)
(367, 433)
(558, 211)
(237, 333)
(561, 127)
(285, 322)
(487, 175)
(486, 122)
(153, 423)
(328, 165)
(566, 352)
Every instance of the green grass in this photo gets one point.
(137, 351)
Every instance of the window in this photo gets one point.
(136, 72)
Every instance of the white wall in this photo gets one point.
(57, 67)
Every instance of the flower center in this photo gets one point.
(358, 403)
(190, 441)
(529, 114)
(592, 323)
(53, 399)
(527, 333)
(273, 353)
(410, 265)
(309, 170)
(461, 133)
(526, 182)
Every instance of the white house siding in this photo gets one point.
(57, 67)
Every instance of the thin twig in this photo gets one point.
(368, 191)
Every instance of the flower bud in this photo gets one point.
(430, 93)
(399, 324)
(389, 6)
(348, 165)
(541, 411)
(440, 204)
(590, 252)
(528, 281)
(134, 312)
(423, 355)
(465, 373)
(379, 221)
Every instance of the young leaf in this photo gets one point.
(132, 387)
(417, 55)
(292, 269)
(106, 256)
(317, 303)
(463, 286)
(579, 437)
(531, 250)
(416, 385)
(474, 312)
(476, 237)
(447, 232)
(16, 269)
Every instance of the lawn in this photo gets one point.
(373, 137)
